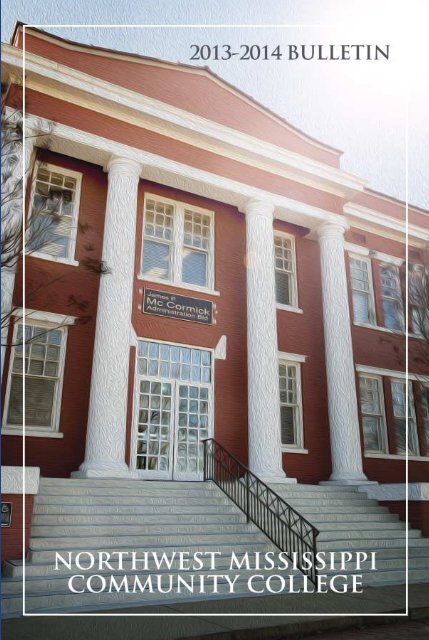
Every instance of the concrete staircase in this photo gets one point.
(120, 515)
(349, 521)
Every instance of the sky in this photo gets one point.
(363, 108)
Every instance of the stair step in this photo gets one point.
(156, 485)
(225, 545)
(126, 519)
(280, 487)
(127, 492)
(74, 532)
(131, 500)
(328, 502)
(353, 518)
(132, 541)
(294, 494)
(368, 535)
(366, 545)
(361, 528)
(148, 509)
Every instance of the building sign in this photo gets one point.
(171, 305)
(6, 514)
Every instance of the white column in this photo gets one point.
(12, 215)
(105, 439)
(265, 458)
(342, 403)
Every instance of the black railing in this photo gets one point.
(280, 522)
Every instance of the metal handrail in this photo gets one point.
(281, 523)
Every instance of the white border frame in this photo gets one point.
(71, 260)
(235, 614)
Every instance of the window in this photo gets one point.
(362, 291)
(419, 299)
(425, 413)
(173, 362)
(290, 405)
(40, 353)
(285, 270)
(53, 214)
(177, 243)
(399, 412)
(391, 297)
(373, 418)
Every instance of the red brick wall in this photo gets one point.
(12, 536)
(193, 92)
(230, 281)
(73, 291)
(303, 334)
(418, 513)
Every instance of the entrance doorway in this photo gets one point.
(174, 410)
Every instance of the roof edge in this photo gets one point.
(192, 68)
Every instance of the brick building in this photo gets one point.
(255, 291)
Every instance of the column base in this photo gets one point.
(103, 470)
(278, 480)
(347, 482)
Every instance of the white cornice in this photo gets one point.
(114, 101)
(373, 221)
(98, 150)
(389, 373)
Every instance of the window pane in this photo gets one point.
(51, 224)
(399, 411)
(194, 268)
(371, 437)
(392, 314)
(284, 261)
(156, 259)
(361, 291)
(391, 295)
(287, 425)
(361, 307)
(39, 399)
(283, 287)
(373, 421)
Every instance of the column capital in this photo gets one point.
(332, 229)
(255, 207)
(127, 166)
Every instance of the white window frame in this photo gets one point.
(383, 426)
(401, 318)
(177, 246)
(298, 447)
(70, 260)
(413, 434)
(41, 432)
(372, 320)
(138, 377)
(293, 306)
